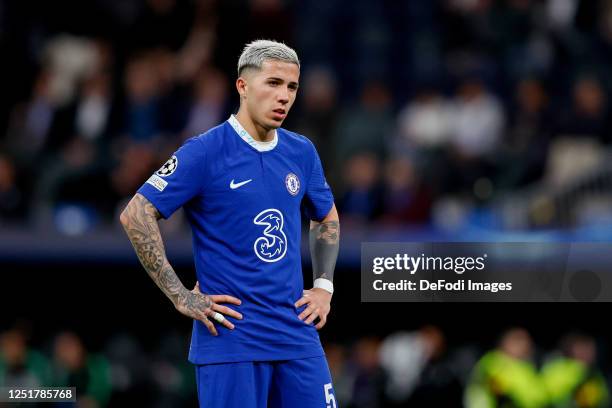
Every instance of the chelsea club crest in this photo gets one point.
(292, 182)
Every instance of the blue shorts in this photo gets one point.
(303, 383)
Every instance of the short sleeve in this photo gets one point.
(318, 199)
(178, 180)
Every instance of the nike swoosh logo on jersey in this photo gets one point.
(234, 186)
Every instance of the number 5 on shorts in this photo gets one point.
(330, 400)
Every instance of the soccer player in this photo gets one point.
(243, 185)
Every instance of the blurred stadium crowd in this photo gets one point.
(404, 369)
(436, 113)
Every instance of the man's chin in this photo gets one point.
(275, 123)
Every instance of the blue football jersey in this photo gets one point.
(243, 205)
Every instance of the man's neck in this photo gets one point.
(256, 131)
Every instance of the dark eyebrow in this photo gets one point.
(281, 80)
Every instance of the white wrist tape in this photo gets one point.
(325, 284)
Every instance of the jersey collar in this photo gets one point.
(244, 135)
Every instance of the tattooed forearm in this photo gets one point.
(139, 219)
(324, 245)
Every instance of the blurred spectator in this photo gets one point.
(368, 388)
(525, 149)
(73, 366)
(589, 115)
(143, 97)
(72, 94)
(69, 59)
(92, 115)
(12, 200)
(210, 102)
(31, 122)
(65, 177)
(364, 127)
(342, 374)
(198, 49)
(406, 199)
(425, 122)
(318, 115)
(506, 376)
(21, 366)
(477, 121)
(361, 202)
(561, 14)
(404, 356)
(421, 370)
(135, 162)
(573, 378)
(520, 38)
(424, 130)
(172, 96)
(94, 108)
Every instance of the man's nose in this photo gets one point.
(283, 96)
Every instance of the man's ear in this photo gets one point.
(241, 86)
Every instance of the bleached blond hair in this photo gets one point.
(258, 51)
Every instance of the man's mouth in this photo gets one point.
(279, 113)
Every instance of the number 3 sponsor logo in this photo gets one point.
(272, 246)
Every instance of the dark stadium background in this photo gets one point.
(534, 77)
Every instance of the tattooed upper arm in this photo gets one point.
(138, 206)
(150, 208)
(140, 222)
